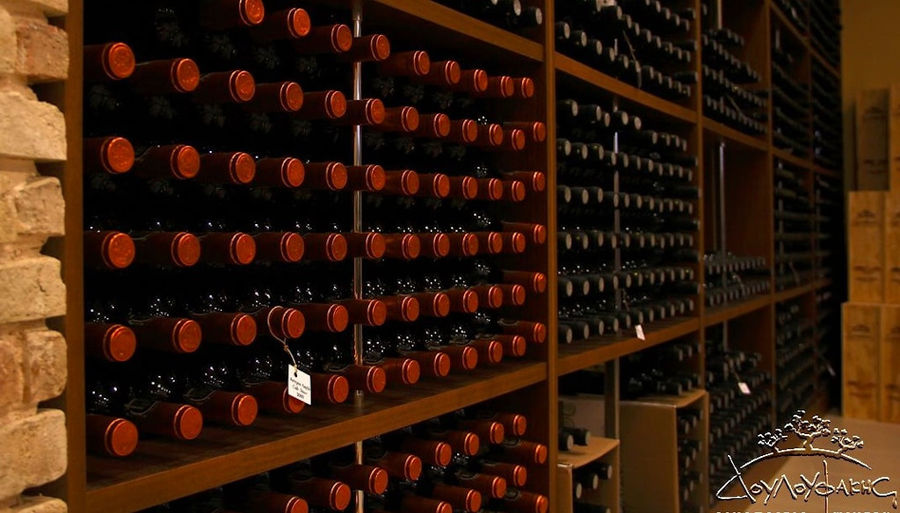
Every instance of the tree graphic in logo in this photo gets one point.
(808, 432)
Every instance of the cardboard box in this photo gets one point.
(894, 138)
(890, 363)
(865, 251)
(860, 359)
(892, 246)
(651, 474)
(872, 140)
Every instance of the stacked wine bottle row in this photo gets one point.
(825, 29)
(467, 274)
(795, 359)
(520, 16)
(610, 164)
(828, 336)
(662, 370)
(588, 481)
(796, 11)
(793, 211)
(827, 123)
(828, 226)
(220, 223)
(791, 110)
(469, 460)
(691, 473)
(569, 436)
(737, 415)
(648, 44)
(731, 278)
(727, 80)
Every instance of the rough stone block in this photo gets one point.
(12, 377)
(49, 8)
(34, 451)
(8, 228)
(45, 365)
(31, 288)
(40, 207)
(39, 504)
(42, 52)
(7, 42)
(31, 129)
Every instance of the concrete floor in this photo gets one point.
(881, 451)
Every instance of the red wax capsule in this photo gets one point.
(114, 155)
(110, 61)
(410, 64)
(434, 126)
(325, 39)
(404, 183)
(291, 23)
(405, 371)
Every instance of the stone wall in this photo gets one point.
(32, 357)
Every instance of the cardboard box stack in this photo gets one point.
(871, 317)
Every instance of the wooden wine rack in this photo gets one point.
(95, 485)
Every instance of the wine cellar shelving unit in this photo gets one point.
(742, 209)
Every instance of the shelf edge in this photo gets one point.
(623, 347)
(713, 316)
(733, 135)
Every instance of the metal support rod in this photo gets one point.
(720, 205)
(722, 240)
(611, 392)
(719, 14)
(357, 227)
(617, 219)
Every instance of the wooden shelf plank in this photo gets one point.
(733, 135)
(824, 283)
(825, 64)
(465, 25)
(590, 75)
(676, 401)
(827, 172)
(161, 471)
(721, 314)
(596, 448)
(583, 354)
(785, 295)
(791, 158)
(783, 18)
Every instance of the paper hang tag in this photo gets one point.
(299, 385)
(639, 330)
(830, 369)
(744, 388)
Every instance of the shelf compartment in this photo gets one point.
(649, 450)
(586, 353)
(588, 74)
(598, 449)
(161, 471)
